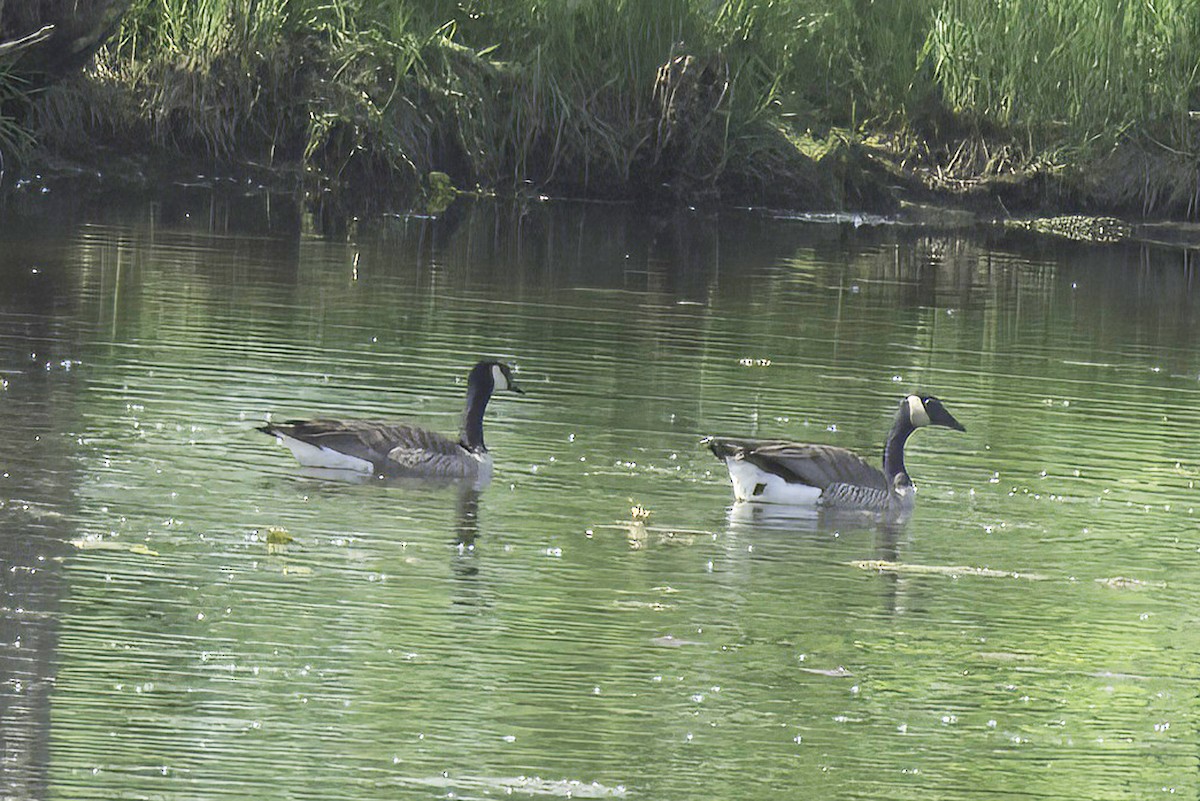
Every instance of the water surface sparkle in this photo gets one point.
(600, 621)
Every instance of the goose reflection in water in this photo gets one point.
(467, 494)
(464, 531)
(887, 529)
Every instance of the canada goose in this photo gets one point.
(400, 449)
(804, 474)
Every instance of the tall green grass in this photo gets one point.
(559, 93)
(1104, 86)
(15, 139)
(569, 93)
(1076, 73)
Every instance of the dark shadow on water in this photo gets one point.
(39, 478)
(521, 245)
(333, 477)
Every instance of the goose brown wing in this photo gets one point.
(394, 445)
(816, 465)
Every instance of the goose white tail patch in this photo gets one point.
(758, 486)
(499, 379)
(312, 456)
(916, 411)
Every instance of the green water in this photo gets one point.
(532, 640)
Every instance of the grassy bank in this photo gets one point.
(813, 103)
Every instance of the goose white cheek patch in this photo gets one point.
(916, 412)
(498, 378)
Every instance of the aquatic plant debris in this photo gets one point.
(525, 785)
(629, 525)
(838, 672)
(671, 641)
(1006, 656)
(634, 604)
(86, 544)
(277, 538)
(1127, 583)
(884, 566)
(278, 535)
(1105, 230)
(441, 193)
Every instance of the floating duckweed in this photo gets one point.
(278, 535)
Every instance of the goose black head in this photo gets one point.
(929, 411)
(496, 374)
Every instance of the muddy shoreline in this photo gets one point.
(1009, 208)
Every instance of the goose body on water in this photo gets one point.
(805, 474)
(400, 449)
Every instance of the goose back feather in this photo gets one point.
(374, 446)
(813, 464)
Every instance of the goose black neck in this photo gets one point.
(893, 452)
(478, 393)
